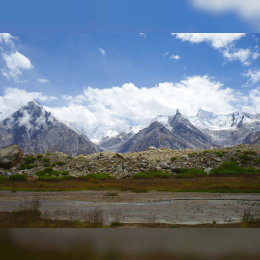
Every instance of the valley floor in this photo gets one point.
(152, 209)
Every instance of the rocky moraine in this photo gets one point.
(124, 165)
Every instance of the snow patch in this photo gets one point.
(163, 120)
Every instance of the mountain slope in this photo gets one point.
(182, 127)
(113, 143)
(154, 135)
(36, 131)
(174, 132)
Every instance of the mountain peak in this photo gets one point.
(33, 102)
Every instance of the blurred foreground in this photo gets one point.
(130, 244)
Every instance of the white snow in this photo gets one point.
(41, 120)
(163, 120)
(132, 130)
(205, 119)
(95, 132)
(25, 119)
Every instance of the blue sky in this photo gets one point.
(130, 16)
(120, 79)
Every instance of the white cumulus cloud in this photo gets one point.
(14, 63)
(43, 80)
(248, 10)
(254, 98)
(255, 55)
(224, 42)
(243, 55)
(217, 40)
(142, 34)
(176, 57)
(7, 38)
(138, 104)
(253, 75)
(102, 51)
(120, 107)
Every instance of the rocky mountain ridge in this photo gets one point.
(203, 131)
(35, 130)
(174, 132)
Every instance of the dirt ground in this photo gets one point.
(135, 208)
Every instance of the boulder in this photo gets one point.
(118, 156)
(152, 148)
(207, 170)
(7, 174)
(185, 156)
(10, 155)
(164, 165)
(32, 173)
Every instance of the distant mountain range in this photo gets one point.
(37, 131)
(179, 132)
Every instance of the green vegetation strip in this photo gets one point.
(100, 176)
(151, 175)
(233, 168)
(189, 173)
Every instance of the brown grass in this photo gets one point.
(28, 215)
(250, 183)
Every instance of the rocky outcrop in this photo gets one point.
(10, 155)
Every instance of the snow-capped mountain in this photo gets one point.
(113, 143)
(163, 120)
(31, 116)
(203, 131)
(174, 132)
(132, 130)
(230, 129)
(36, 131)
(205, 119)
